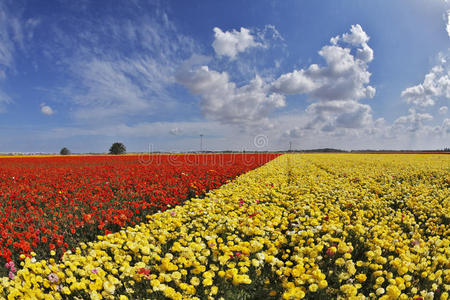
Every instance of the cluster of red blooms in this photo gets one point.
(53, 203)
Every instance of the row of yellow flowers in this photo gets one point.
(302, 226)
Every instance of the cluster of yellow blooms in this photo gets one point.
(302, 226)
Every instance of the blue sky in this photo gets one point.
(251, 75)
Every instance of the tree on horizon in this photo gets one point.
(117, 148)
(65, 151)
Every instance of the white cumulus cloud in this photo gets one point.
(356, 37)
(222, 100)
(413, 121)
(231, 43)
(443, 110)
(296, 132)
(46, 110)
(435, 85)
(345, 77)
(338, 86)
(339, 114)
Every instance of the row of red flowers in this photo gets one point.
(53, 203)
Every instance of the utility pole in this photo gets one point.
(201, 142)
(290, 146)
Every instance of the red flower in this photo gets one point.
(56, 200)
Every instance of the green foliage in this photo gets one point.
(117, 148)
(64, 151)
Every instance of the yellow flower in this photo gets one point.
(361, 277)
(207, 282)
(109, 287)
(214, 290)
(66, 290)
(299, 217)
(195, 281)
(323, 284)
(402, 270)
(393, 291)
(379, 280)
(313, 287)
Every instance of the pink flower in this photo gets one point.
(11, 275)
(94, 270)
(415, 242)
(172, 213)
(330, 252)
(53, 278)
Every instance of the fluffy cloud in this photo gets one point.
(443, 110)
(338, 86)
(356, 37)
(46, 110)
(343, 78)
(296, 132)
(222, 100)
(413, 121)
(231, 43)
(339, 114)
(435, 85)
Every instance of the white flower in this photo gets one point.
(379, 291)
(429, 296)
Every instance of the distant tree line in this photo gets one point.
(119, 148)
(115, 149)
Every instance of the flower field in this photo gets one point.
(54, 203)
(317, 226)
